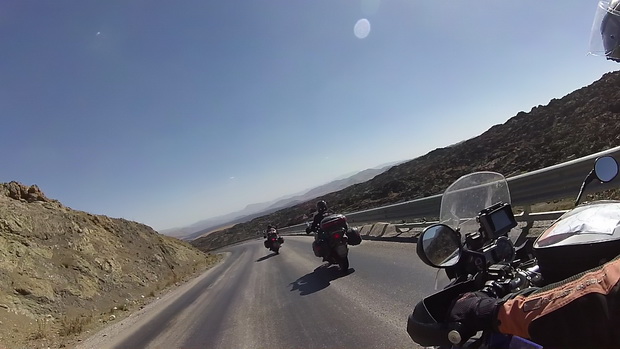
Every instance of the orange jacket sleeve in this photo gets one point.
(582, 311)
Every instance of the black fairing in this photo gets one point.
(560, 262)
(583, 238)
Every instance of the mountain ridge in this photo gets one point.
(582, 122)
(252, 211)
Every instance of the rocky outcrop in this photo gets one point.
(18, 191)
(60, 266)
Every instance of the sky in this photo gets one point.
(170, 112)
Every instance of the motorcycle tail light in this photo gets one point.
(336, 236)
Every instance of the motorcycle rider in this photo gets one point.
(321, 207)
(320, 242)
(582, 311)
(269, 233)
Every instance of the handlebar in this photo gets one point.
(429, 324)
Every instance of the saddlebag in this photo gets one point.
(353, 237)
(281, 240)
(266, 243)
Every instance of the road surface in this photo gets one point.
(256, 299)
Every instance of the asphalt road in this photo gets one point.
(256, 299)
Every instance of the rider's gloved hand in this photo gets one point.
(475, 311)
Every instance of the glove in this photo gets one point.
(475, 311)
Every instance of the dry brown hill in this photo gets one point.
(580, 123)
(65, 272)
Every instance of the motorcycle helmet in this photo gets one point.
(605, 33)
(321, 206)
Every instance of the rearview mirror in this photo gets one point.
(439, 246)
(606, 168)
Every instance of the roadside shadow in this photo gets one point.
(319, 279)
(266, 257)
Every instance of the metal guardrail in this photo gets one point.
(551, 183)
(525, 217)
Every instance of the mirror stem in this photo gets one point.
(586, 181)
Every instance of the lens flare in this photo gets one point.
(361, 28)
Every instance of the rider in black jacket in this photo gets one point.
(319, 243)
(321, 208)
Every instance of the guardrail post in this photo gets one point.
(525, 216)
(400, 228)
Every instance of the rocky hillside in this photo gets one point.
(581, 123)
(65, 272)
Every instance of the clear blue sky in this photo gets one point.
(169, 112)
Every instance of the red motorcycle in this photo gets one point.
(332, 239)
(273, 242)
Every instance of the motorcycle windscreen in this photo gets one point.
(467, 196)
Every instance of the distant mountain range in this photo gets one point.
(260, 209)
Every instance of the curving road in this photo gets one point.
(256, 299)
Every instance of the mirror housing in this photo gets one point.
(439, 246)
(606, 169)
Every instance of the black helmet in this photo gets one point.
(605, 35)
(321, 206)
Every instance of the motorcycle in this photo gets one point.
(332, 240)
(273, 242)
(475, 244)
